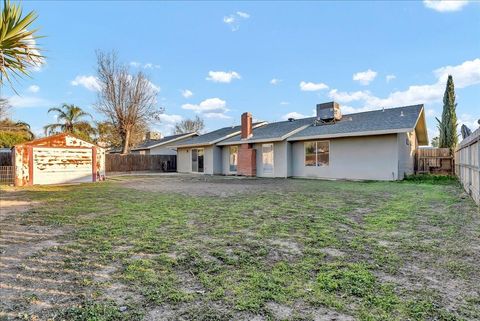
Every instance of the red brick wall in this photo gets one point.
(247, 165)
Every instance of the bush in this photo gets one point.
(9, 138)
(431, 179)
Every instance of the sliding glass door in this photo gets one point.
(267, 159)
(197, 160)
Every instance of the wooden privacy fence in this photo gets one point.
(434, 161)
(7, 175)
(135, 163)
(467, 164)
(5, 159)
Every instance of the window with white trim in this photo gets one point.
(317, 153)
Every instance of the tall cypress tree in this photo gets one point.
(448, 125)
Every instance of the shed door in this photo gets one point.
(61, 165)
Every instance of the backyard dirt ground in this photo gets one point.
(188, 247)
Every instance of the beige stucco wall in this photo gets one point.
(368, 157)
(212, 160)
(407, 144)
(184, 160)
(279, 160)
(216, 154)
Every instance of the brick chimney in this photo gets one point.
(246, 154)
(246, 125)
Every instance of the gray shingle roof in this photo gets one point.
(371, 121)
(271, 131)
(214, 136)
(390, 119)
(165, 140)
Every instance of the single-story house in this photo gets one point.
(58, 159)
(371, 145)
(161, 145)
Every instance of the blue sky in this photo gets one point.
(274, 59)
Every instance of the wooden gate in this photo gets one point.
(434, 161)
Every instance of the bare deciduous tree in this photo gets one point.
(126, 100)
(4, 108)
(108, 135)
(189, 126)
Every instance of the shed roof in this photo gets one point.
(163, 141)
(215, 136)
(383, 121)
(58, 140)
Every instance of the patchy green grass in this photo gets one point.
(290, 251)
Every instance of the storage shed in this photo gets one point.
(58, 159)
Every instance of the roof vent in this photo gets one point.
(401, 113)
(291, 119)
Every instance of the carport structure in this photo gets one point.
(58, 159)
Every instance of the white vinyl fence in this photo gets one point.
(467, 164)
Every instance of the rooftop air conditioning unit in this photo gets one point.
(328, 112)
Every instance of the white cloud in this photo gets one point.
(37, 62)
(243, 15)
(311, 86)
(284, 103)
(294, 115)
(233, 20)
(275, 81)
(90, 82)
(464, 75)
(33, 89)
(346, 97)
(147, 65)
(222, 76)
(186, 93)
(210, 108)
(445, 5)
(28, 102)
(469, 121)
(365, 77)
(390, 77)
(170, 119)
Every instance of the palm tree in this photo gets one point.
(18, 48)
(70, 120)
